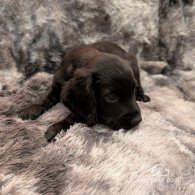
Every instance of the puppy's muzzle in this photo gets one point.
(133, 119)
(136, 120)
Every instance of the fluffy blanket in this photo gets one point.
(157, 157)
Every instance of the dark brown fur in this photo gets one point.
(99, 83)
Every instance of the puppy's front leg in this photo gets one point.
(56, 128)
(139, 91)
(34, 111)
(61, 76)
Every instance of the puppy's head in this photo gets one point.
(104, 92)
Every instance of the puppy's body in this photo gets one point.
(99, 83)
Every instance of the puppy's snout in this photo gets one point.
(136, 120)
(133, 117)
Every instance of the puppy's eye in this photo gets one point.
(111, 98)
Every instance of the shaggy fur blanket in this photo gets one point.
(157, 157)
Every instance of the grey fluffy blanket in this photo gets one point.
(157, 157)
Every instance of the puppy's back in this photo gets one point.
(108, 47)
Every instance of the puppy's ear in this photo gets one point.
(78, 96)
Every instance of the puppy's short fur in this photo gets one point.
(99, 83)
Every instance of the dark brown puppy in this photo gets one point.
(99, 83)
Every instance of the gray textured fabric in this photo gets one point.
(157, 157)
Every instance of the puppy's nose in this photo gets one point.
(133, 118)
(136, 120)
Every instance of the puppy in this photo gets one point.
(99, 83)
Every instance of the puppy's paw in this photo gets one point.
(50, 133)
(145, 98)
(140, 96)
(31, 112)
